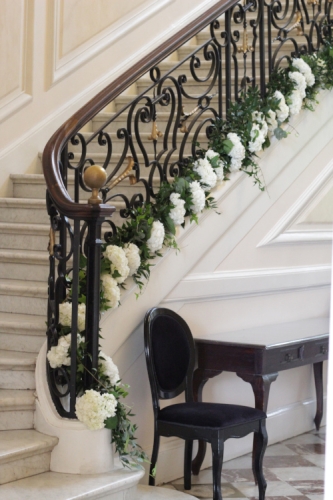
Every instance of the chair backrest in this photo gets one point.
(170, 354)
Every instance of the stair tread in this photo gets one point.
(34, 255)
(17, 359)
(13, 227)
(11, 399)
(57, 486)
(25, 321)
(16, 444)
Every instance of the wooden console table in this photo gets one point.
(257, 355)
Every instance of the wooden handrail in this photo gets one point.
(55, 145)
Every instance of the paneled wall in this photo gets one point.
(57, 54)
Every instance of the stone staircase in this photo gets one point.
(24, 228)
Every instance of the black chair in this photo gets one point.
(170, 356)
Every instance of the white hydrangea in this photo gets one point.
(305, 69)
(119, 262)
(94, 408)
(282, 112)
(211, 154)
(109, 368)
(206, 172)
(219, 171)
(132, 253)
(111, 290)
(58, 355)
(300, 82)
(257, 138)
(295, 102)
(65, 315)
(259, 117)
(271, 121)
(237, 153)
(155, 242)
(177, 214)
(198, 197)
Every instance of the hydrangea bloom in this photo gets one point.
(109, 368)
(271, 121)
(132, 253)
(282, 112)
(111, 290)
(300, 82)
(94, 408)
(206, 172)
(258, 132)
(198, 197)
(119, 262)
(305, 69)
(65, 315)
(177, 214)
(295, 102)
(58, 355)
(237, 154)
(155, 242)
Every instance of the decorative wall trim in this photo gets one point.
(63, 66)
(244, 283)
(287, 230)
(21, 96)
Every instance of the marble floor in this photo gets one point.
(294, 470)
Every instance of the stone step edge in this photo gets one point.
(41, 443)
(15, 400)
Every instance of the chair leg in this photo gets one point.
(258, 459)
(187, 464)
(217, 450)
(154, 459)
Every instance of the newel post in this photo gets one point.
(94, 177)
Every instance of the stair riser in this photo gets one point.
(24, 467)
(20, 241)
(22, 214)
(23, 305)
(24, 271)
(21, 343)
(19, 419)
(17, 379)
(189, 104)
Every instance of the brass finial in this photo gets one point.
(94, 177)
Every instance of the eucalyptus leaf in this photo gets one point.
(280, 133)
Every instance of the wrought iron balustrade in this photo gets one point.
(149, 137)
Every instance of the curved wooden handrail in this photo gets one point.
(55, 145)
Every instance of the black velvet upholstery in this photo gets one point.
(170, 356)
(171, 352)
(209, 414)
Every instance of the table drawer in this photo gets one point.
(299, 354)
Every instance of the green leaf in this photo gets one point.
(280, 133)
(170, 226)
(227, 146)
(111, 422)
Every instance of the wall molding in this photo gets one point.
(286, 230)
(22, 95)
(245, 283)
(63, 66)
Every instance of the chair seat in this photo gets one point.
(213, 415)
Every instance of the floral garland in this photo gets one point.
(233, 146)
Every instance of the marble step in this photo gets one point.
(24, 265)
(17, 370)
(115, 485)
(23, 297)
(189, 103)
(24, 453)
(24, 235)
(23, 210)
(16, 409)
(22, 332)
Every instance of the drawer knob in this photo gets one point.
(289, 357)
(323, 349)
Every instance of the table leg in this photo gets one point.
(200, 377)
(261, 385)
(318, 377)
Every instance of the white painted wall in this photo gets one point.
(256, 264)
(57, 54)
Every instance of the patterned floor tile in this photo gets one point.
(309, 487)
(305, 449)
(205, 491)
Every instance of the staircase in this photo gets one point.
(24, 228)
